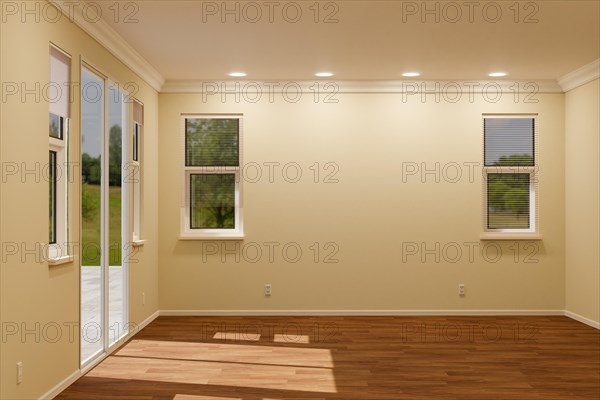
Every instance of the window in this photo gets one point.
(136, 171)
(58, 136)
(52, 197)
(510, 174)
(212, 192)
(136, 141)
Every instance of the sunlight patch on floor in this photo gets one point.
(196, 397)
(302, 339)
(227, 352)
(237, 336)
(174, 369)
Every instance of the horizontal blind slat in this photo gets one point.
(212, 142)
(509, 141)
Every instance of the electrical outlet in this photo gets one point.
(19, 372)
(143, 298)
(461, 289)
(267, 289)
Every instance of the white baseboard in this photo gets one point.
(247, 313)
(582, 319)
(65, 383)
(415, 313)
(145, 323)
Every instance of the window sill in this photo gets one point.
(213, 237)
(138, 243)
(510, 236)
(61, 260)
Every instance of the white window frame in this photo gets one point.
(59, 251)
(136, 174)
(186, 232)
(526, 233)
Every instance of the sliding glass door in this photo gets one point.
(104, 294)
(116, 206)
(92, 213)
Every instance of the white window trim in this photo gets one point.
(59, 252)
(136, 173)
(186, 233)
(531, 233)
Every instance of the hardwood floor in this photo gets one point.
(201, 358)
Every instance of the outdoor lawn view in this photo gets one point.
(91, 200)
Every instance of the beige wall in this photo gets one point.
(582, 184)
(369, 214)
(31, 291)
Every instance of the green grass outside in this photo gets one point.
(90, 226)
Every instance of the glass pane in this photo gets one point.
(52, 195)
(56, 126)
(212, 201)
(212, 142)
(116, 118)
(508, 201)
(509, 141)
(136, 199)
(115, 155)
(136, 141)
(92, 126)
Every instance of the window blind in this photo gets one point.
(212, 202)
(59, 77)
(509, 141)
(138, 113)
(212, 142)
(508, 201)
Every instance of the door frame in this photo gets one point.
(107, 346)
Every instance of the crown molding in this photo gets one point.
(580, 76)
(399, 86)
(113, 42)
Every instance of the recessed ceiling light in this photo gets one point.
(324, 74)
(410, 74)
(497, 74)
(237, 74)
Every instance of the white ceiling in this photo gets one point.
(370, 41)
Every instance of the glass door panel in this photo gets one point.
(104, 221)
(117, 316)
(92, 214)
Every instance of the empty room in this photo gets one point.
(310, 199)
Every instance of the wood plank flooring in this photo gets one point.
(249, 358)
